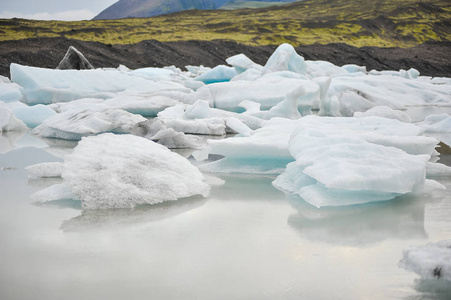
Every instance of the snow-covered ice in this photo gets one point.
(120, 171)
(430, 261)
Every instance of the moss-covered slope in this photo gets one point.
(383, 23)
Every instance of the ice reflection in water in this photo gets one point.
(110, 218)
(359, 224)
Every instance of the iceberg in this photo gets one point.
(122, 171)
(46, 86)
(86, 120)
(285, 58)
(346, 161)
(430, 261)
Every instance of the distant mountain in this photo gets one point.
(150, 8)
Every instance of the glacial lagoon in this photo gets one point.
(246, 240)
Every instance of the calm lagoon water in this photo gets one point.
(247, 240)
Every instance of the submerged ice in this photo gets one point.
(361, 146)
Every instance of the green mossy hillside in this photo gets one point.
(382, 23)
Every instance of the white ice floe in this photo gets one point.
(430, 261)
(45, 86)
(88, 120)
(8, 121)
(344, 161)
(120, 171)
(264, 151)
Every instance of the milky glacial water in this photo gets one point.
(247, 240)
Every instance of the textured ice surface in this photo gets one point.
(120, 171)
(60, 191)
(45, 86)
(159, 132)
(8, 121)
(344, 161)
(87, 120)
(430, 261)
(45, 170)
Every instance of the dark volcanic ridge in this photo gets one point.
(431, 58)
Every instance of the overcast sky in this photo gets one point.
(53, 9)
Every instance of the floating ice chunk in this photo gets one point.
(60, 191)
(157, 131)
(8, 121)
(345, 161)
(241, 63)
(268, 90)
(219, 73)
(87, 120)
(9, 91)
(209, 126)
(354, 68)
(264, 152)
(120, 171)
(385, 112)
(74, 59)
(32, 116)
(394, 92)
(431, 261)
(45, 170)
(285, 58)
(45, 86)
(437, 123)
